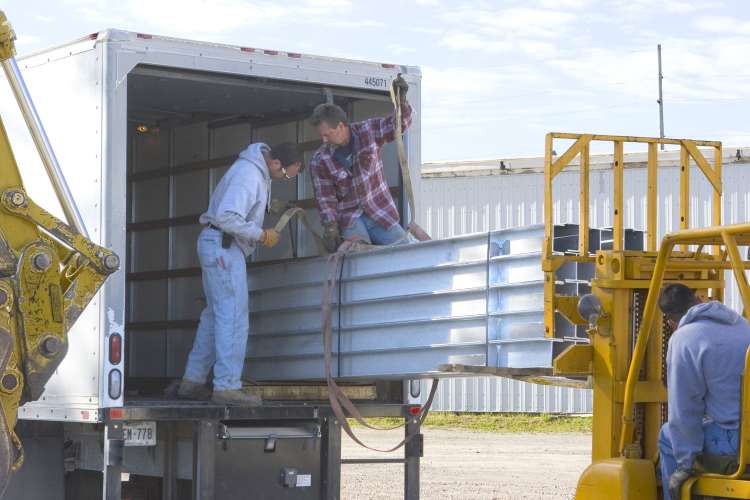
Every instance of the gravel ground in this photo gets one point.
(467, 465)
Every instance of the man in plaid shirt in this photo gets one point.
(351, 190)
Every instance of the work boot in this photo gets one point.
(236, 397)
(193, 390)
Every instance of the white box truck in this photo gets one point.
(144, 127)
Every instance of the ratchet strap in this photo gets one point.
(336, 396)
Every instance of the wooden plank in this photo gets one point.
(541, 376)
(282, 392)
(488, 370)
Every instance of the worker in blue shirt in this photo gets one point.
(705, 362)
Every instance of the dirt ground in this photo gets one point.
(467, 465)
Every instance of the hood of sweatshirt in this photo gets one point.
(712, 310)
(252, 154)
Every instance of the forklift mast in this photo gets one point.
(625, 358)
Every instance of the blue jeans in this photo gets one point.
(716, 441)
(221, 339)
(371, 232)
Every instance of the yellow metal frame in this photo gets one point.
(581, 148)
(624, 359)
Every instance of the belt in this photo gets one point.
(226, 238)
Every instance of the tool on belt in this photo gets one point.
(226, 238)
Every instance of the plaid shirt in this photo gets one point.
(343, 195)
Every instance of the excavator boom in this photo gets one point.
(49, 272)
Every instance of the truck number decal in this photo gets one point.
(373, 81)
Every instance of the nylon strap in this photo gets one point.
(412, 226)
(298, 212)
(338, 399)
(405, 174)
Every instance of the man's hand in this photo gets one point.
(331, 236)
(400, 86)
(269, 238)
(677, 479)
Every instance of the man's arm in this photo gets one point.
(325, 191)
(383, 130)
(686, 389)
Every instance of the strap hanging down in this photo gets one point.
(338, 399)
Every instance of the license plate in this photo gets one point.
(140, 434)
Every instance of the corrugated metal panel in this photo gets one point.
(495, 394)
(460, 205)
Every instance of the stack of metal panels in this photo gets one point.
(400, 312)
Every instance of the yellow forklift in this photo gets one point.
(625, 359)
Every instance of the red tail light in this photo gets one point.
(115, 348)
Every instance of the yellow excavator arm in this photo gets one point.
(49, 272)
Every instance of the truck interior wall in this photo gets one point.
(179, 146)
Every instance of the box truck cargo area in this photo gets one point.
(144, 128)
(185, 128)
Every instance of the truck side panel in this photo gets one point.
(66, 88)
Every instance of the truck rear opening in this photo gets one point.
(185, 129)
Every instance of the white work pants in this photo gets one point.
(221, 339)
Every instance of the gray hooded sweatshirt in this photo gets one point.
(241, 199)
(705, 361)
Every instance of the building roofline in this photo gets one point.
(535, 164)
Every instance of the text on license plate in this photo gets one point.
(140, 433)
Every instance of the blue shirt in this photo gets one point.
(344, 155)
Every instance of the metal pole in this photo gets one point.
(413, 452)
(330, 484)
(661, 99)
(49, 160)
(169, 482)
(204, 460)
(114, 442)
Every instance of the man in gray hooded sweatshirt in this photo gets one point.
(233, 227)
(705, 362)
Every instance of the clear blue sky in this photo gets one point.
(497, 75)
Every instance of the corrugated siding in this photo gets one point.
(461, 205)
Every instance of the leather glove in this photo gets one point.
(331, 236)
(400, 86)
(269, 238)
(677, 479)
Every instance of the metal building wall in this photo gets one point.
(451, 206)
